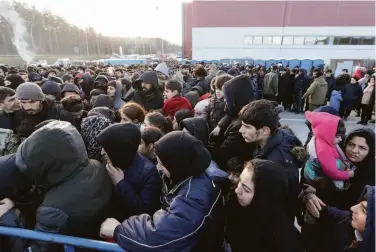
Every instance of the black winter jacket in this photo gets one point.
(77, 190)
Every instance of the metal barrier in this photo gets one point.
(61, 239)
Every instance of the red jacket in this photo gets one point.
(176, 103)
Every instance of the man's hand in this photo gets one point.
(116, 174)
(313, 204)
(108, 228)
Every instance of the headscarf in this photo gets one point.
(103, 112)
(90, 128)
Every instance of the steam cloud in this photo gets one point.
(20, 33)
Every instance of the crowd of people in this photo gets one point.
(190, 159)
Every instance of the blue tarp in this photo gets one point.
(306, 64)
(259, 62)
(318, 62)
(225, 61)
(284, 62)
(268, 63)
(293, 63)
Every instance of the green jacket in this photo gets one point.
(317, 91)
(9, 142)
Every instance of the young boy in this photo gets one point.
(174, 101)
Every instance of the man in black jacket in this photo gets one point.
(36, 108)
(75, 190)
(147, 92)
(8, 105)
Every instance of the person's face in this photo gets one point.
(88, 72)
(344, 72)
(353, 81)
(31, 107)
(118, 74)
(219, 93)
(359, 216)
(175, 125)
(25, 77)
(337, 139)
(246, 188)
(234, 177)
(161, 167)
(146, 86)
(367, 76)
(250, 133)
(261, 73)
(80, 81)
(356, 149)
(146, 150)
(169, 94)
(111, 91)
(93, 99)
(372, 80)
(52, 74)
(10, 104)
(328, 75)
(66, 94)
(77, 115)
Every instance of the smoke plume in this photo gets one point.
(20, 33)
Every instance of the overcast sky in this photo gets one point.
(150, 18)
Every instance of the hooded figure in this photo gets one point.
(103, 101)
(197, 127)
(162, 68)
(103, 112)
(189, 219)
(140, 189)
(91, 126)
(14, 81)
(127, 89)
(118, 102)
(268, 225)
(238, 92)
(150, 99)
(77, 189)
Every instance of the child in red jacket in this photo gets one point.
(173, 99)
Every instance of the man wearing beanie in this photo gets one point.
(136, 179)
(52, 89)
(36, 108)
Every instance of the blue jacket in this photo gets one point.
(189, 221)
(139, 191)
(336, 99)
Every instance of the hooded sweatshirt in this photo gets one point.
(336, 99)
(151, 99)
(118, 102)
(324, 128)
(197, 127)
(176, 103)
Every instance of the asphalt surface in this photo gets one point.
(297, 123)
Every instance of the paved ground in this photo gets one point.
(297, 123)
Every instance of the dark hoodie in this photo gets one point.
(103, 101)
(140, 189)
(230, 143)
(150, 99)
(268, 224)
(197, 127)
(77, 190)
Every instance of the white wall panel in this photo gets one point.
(217, 43)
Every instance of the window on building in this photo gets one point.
(368, 41)
(324, 40)
(288, 40)
(342, 40)
(277, 40)
(267, 40)
(298, 40)
(310, 40)
(355, 40)
(248, 40)
(257, 40)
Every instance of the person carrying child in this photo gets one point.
(327, 161)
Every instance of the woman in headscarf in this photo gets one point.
(90, 128)
(257, 217)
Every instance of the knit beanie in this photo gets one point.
(70, 88)
(29, 91)
(52, 88)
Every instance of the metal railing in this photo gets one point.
(61, 239)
